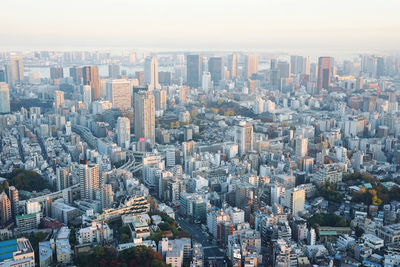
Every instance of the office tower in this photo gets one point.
(118, 92)
(284, 69)
(295, 199)
(15, 70)
(297, 64)
(56, 73)
(301, 146)
(63, 178)
(2, 76)
(132, 58)
(273, 64)
(145, 116)
(380, 66)
(59, 100)
(151, 73)
(194, 70)
(91, 77)
(77, 74)
(89, 180)
(232, 65)
(324, 72)
(306, 66)
(244, 137)
(4, 98)
(14, 199)
(160, 99)
(250, 65)
(87, 94)
(113, 71)
(107, 196)
(216, 69)
(5, 209)
(123, 132)
(206, 83)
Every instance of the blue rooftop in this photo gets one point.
(7, 248)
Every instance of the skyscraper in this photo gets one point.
(194, 70)
(123, 132)
(151, 73)
(14, 199)
(77, 74)
(89, 181)
(145, 116)
(56, 73)
(87, 94)
(244, 137)
(295, 199)
(118, 92)
(301, 146)
(113, 71)
(15, 70)
(4, 98)
(5, 209)
(59, 100)
(107, 196)
(250, 66)
(160, 99)
(216, 69)
(232, 65)
(91, 77)
(63, 178)
(206, 82)
(284, 69)
(324, 72)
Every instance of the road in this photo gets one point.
(194, 230)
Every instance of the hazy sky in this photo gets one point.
(291, 25)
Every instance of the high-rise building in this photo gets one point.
(5, 209)
(324, 72)
(151, 73)
(87, 94)
(301, 146)
(380, 66)
(295, 199)
(145, 116)
(4, 98)
(63, 178)
(107, 196)
(14, 199)
(244, 137)
(206, 83)
(123, 132)
(91, 77)
(194, 70)
(56, 73)
(160, 99)
(89, 180)
(250, 66)
(59, 100)
(284, 69)
(216, 69)
(15, 70)
(113, 71)
(2, 76)
(77, 74)
(232, 65)
(297, 64)
(119, 93)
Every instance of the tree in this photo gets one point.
(99, 251)
(359, 231)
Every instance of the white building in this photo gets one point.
(4, 98)
(123, 132)
(95, 233)
(118, 92)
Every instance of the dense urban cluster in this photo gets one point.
(199, 159)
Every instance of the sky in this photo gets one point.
(303, 26)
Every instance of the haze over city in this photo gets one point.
(310, 26)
